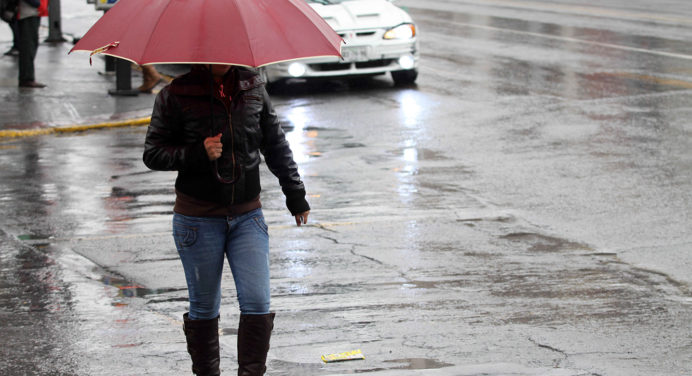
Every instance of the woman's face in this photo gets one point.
(219, 70)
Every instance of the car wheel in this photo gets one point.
(405, 77)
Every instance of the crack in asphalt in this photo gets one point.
(353, 247)
(558, 362)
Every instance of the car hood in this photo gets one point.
(361, 14)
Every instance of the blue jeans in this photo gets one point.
(203, 242)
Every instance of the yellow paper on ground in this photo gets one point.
(344, 356)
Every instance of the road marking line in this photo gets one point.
(587, 10)
(654, 79)
(581, 41)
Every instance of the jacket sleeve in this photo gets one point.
(164, 149)
(279, 157)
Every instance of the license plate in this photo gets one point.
(354, 54)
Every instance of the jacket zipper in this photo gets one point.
(230, 123)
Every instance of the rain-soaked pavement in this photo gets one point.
(524, 210)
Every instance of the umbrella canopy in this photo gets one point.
(238, 32)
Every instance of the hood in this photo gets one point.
(361, 14)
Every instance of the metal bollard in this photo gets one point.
(123, 79)
(123, 71)
(54, 19)
(110, 64)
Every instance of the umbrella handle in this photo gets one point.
(236, 173)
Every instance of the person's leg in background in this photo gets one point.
(28, 45)
(150, 78)
(14, 50)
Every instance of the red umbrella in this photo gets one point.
(238, 32)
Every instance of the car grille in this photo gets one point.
(330, 67)
(360, 34)
(374, 63)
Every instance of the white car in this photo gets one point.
(380, 37)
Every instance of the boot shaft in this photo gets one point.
(202, 338)
(254, 332)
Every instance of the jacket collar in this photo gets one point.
(197, 81)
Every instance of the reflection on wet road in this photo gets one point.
(524, 209)
(35, 300)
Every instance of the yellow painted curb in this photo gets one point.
(72, 128)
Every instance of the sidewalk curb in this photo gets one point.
(14, 133)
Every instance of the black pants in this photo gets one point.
(28, 45)
(14, 25)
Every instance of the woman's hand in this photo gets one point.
(302, 218)
(214, 147)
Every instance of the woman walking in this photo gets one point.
(211, 125)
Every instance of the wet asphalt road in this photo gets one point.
(525, 209)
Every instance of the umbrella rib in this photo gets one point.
(250, 47)
(151, 35)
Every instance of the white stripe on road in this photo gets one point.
(581, 41)
(592, 11)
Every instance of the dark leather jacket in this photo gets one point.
(181, 121)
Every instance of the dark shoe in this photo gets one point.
(203, 345)
(150, 78)
(12, 52)
(148, 85)
(32, 84)
(254, 332)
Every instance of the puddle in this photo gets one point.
(138, 173)
(127, 345)
(353, 145)
(308, 369)
(170, 300)
(544, 243)
(129, 289)
(34, 239)
(408, 364)
(412, 154)
(499, 218)
(286, 368)
(419, 363)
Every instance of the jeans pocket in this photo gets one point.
(259, 221)
(184, 236)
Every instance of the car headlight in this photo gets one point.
(297, 69)
(407, 62)
(404, 31)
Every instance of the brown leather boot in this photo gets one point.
(150, 78)
(254, 332)
(203, 345)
